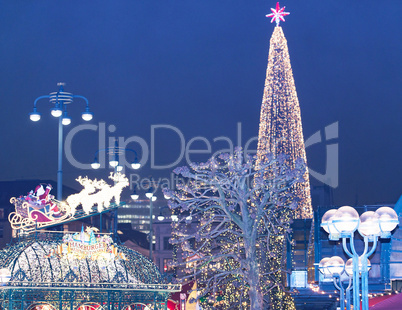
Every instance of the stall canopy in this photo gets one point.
(65, 271)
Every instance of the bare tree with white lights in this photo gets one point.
(238, 209)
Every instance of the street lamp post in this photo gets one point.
(348, 288)
(60, 100)
(343, 223)
(150, 195)
(115, 152)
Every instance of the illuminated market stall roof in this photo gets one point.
(33, 262)
(66, 271)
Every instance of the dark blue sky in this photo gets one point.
(200, 66)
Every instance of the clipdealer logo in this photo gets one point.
(147, 152)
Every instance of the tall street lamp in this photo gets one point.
(150, 195)
(343, 223)
(60, 100)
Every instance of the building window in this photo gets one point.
(167, 265)
(166, 244)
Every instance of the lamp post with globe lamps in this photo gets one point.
(345, 228)
(334, 267)
(60, 100)
(343, 223)
(150, 195)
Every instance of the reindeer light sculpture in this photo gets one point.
(98, 193)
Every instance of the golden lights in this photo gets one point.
(280, 130)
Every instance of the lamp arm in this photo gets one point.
(352, 246)
(345, 247)
(136, 155)
(365, 245)
(39, 98)
(350, 284)
(97, 152)
(336, 284)
(82, 97)
(374, 245)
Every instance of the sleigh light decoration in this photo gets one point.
(38, 209)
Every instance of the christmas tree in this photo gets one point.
(280, 134)
(280, 129)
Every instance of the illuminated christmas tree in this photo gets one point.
(280, 134)
(280, 129)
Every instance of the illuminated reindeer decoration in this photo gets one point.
(76, 199)
(102, 198)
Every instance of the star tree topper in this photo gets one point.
(277, 14)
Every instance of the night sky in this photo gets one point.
(200, 66)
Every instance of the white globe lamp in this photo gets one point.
(135, 165)
(369, 224)
(327, 224)
(87, 115)
(34, 116)
(388, 220)
(336, 265)
(349, 266)
(323, 267)
(95, 164)
(56, 111)
(346, 220)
